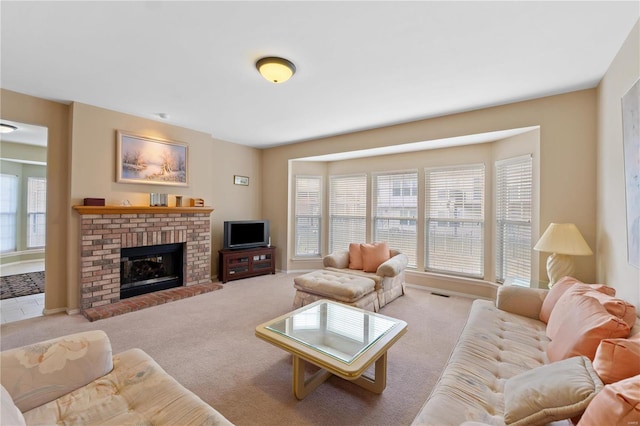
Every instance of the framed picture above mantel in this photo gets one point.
(148, 160)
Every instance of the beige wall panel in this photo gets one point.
(613, 267)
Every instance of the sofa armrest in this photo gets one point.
(36, 374)
(523, 301)
(339, 259)
(393, 266)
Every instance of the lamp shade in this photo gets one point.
(276, 70)
(563, 238)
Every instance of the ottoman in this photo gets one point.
(344, 288)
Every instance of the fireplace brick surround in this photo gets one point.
(104, 231)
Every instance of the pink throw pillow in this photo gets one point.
(373, 255)
(618, 359)
(618, 307)
(577, 325)
(616, 404)
(355, 256)
(560, 287)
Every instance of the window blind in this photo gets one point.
(308, 212)
(347, 210)
(454, 220)
(8, 212)
(514, 194)
(395, 210)
(36, 211)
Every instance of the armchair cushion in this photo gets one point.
(338, 259)
(355, 256)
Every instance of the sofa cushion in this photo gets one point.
(577, 325)
(617, 359)
(617, 404)
(373, 255)
(44, 371)
(137, 391)
(355, 256)
(560, 287)
(556, 391)
(9, 414)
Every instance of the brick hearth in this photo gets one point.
(106, 230)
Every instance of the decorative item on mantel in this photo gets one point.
(158, 200)
(197, 202)
(178, 200)
(94, 201)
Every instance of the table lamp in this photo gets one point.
(563, 240)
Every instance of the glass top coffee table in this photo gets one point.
(340, 339)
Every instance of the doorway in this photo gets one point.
(23, 191)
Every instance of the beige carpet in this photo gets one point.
(207, 343)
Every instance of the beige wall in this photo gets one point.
(55, 117)
(613, 267)
(212, 164)
(567, 161)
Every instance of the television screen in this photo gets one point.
(246, 234)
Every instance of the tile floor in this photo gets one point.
(20, 308)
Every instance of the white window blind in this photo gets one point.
(347, 211)
(454, 216)
(514, 192)
(308, 211)
(8, 212)
(395, 210)
(36, 211)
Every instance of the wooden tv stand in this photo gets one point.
(245, 263)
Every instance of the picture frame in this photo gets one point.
(631, 148)
(147, 160)
(240, 180)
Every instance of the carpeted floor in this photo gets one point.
(208, 344)
(21, 285)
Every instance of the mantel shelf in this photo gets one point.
(139, 210)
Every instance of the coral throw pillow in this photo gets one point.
(561, 287)
(618, 307)
(615, 404)
(355, 256)
(618, 359)
(577, 325)
(373, 255)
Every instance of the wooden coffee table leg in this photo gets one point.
(377, 383)
(303, 387)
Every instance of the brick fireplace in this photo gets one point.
(105, 231)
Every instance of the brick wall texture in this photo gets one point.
(103, 235)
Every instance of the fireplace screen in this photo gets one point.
(149, 269)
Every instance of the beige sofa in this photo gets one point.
(388, 282)
(501, 343)
(75, 380)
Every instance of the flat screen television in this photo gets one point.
(241, 234)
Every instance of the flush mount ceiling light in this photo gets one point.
(275, 70)
(7, 128)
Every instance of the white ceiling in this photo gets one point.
(360, 64)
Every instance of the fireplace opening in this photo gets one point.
(150, 268)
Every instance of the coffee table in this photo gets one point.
(340, 339)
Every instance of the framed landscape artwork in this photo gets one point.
(142, 159)
(631, 142)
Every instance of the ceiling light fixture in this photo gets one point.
(7, 128)
(276, 70)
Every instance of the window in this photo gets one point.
(36, 211)
(347, 211)
(395, 210)
(8, 212)
(454, 220)
(308, 210)
(514, 188)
